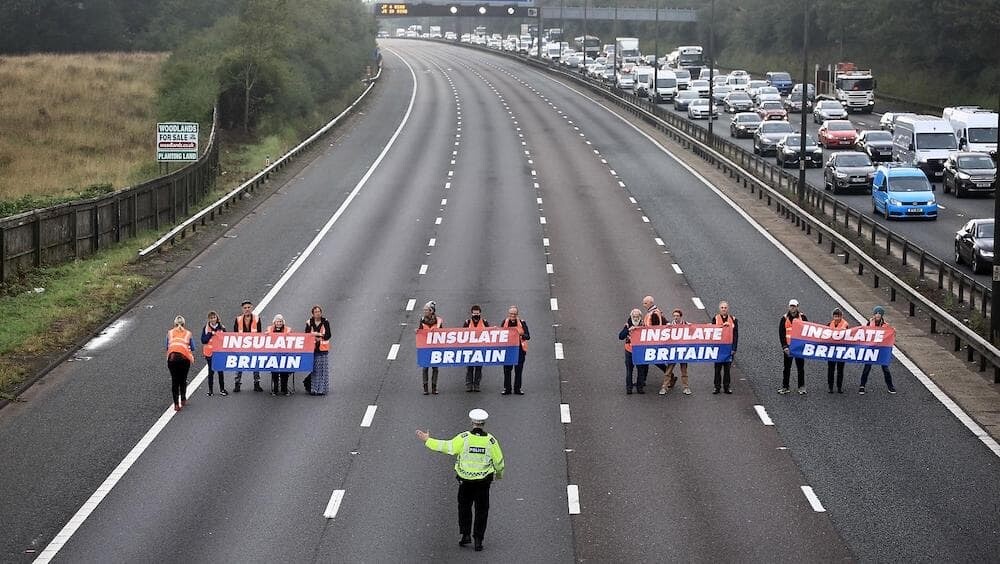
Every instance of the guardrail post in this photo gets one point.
(913, 309)
(905, 249)
(892, 294)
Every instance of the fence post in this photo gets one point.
(36, 236)
(3, 254)
(95, 221)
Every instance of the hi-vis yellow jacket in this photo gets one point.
(476, 456)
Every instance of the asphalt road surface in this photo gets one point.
(498, 186)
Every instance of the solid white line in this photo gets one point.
(762, 413)
(116, 475)
(432, 242)
(366, 421)
(554, 304)
(334, 505)
(677, 268)
(541, 220)
(410, 304)
(559, 351)
(697, 303)
(564, 413)
(549, 268)
(573, 499)
(813, 500)
(393, 352)
(423, 269)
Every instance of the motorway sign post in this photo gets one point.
(176, 142)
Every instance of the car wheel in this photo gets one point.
(976, 265)
(960, 192)
(756, 150)
(958, 255)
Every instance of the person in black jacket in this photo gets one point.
(784, 335)
(513, 320)
(633, 320)
(212, 326)
(474, 374)
(723, 378)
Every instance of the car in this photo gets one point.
(699, 109)
(828, 109)
(969, 173)
(450, 35)
(770, 92)
(719, 80)
(767, 135)
(837, 133)
(720, 92)
(608, 74)
(771, 110)
(789, 151)
(683, 98)
(625, 79)
(643, 80)
(875, 143)
(900, 191)
(768, 97)
(974, 244)
(744, 124)
(793, 103)
(382, 34)
(738, 82)
(811, 90)
(848, 171)
(754, 85)
(699, 86)
(740, 73)
(737, 101)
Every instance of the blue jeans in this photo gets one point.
(885, 372)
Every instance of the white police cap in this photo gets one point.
(479, 415)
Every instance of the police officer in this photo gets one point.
(478, 460)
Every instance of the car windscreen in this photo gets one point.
(829, 105)
(699, 102)
(682, 74)
(666, 83)
(795, 141)
(936, 141)
(854, 160)
(982, 135)
(909, 184)
(783, 76)
(984, 231)
(856, 84)
(739, 97)
(775, 127)
(771, 106)
(840, 126)
(687, 95)
(975, 162)
(878, 136)
(748, 118)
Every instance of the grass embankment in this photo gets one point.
(75, 125)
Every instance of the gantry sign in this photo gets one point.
(411, 10)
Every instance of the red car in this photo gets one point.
(771, 110)
(836, 133)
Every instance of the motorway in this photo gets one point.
(472, 178)
(937, 236)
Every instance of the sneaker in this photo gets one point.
(784, 391)
(662, 392)
(640, 391)
(184, 403)
(208, 393)
(236, 388)
(520, 393)
(892, 390)
(840, 391)
(466, 539)
(687, 391)
(715, 391)
(727, 391)
(223, 393)
(503, 393)
(628, 391)
(802, 391)
(257, 388)
(861, 390)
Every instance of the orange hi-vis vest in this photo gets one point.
(438, 323)
(628, 340)
(271, 329)
(238, 324)
(647, 320)
(206, 349)
(730, 321)
(480, 325)
(788, 331)
(324, 344)
(179, 341)
(842, 325)
(520, 332)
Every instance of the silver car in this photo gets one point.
(828, 109)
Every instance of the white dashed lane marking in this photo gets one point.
(697, 303)
(423, 269)
(762, 413)
(410, 304)
(564, 413)
(393, 352)
(554, 304)
(366, 421)
(559, 351)
(573, 499)
(334, 504)
(813, 500)
(677, 268)
(432, 242)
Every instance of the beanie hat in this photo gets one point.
(878, 310)
(431, 306)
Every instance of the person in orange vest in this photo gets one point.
(278, 326)
(785, 335)
(723, 378)
(212, 326)
(837, 322)
(317, 383)
(247, 322)
(474, 374)
(513, 320)
(653, 318)
(633, 320)
(668, 377)
(877, 320)
(180, 357)
(430, 320)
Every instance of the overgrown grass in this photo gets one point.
(70, 122)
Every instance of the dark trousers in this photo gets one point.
(722, 375)
(179, 367)
(211, 377)
(239, 377)
(518, 369)
(473, 375)
(800, 369)
(839, 368)
(283, 377)
(641, 371)
(474, 493)
(885, 372)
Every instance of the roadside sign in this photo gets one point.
(176, 142)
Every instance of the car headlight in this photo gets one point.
(963, 175)
(894, 202)
(986, 254)
(841, 174)
(932, 201)
(817, 151)
(788, 151)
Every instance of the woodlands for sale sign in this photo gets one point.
(176, 142)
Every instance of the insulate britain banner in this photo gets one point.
(467, 347)
(276, 352)
(665, 344)
(868, 344)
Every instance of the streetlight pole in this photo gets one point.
(656, 57)
(711, 74)
(995, 287)
(585, 32)
(805, 96)
(562, 30)
(614, 57)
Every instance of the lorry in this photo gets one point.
(690, 58)
(434, 32)
(975, 127)
(627, 50)
(589, 45)
(854, 88)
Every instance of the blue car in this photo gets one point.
(902, 191)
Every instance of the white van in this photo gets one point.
(975, 128)
(643, 81)
(666, 86)
(924, 142)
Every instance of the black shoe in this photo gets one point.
(475, 387)
(830, 391)
(236, 388)
(468, 388)
(479, 545)
(209, 393)
(628, 391)
(257, 388)
(727, 391)
(640, 390)
(466, 539)
(520, 393)
(223, 393)
(840, 390)
(715, 391)
(505, 393)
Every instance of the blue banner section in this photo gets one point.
(691, 352)
(840, 352)
(264, 362)
(467, 356)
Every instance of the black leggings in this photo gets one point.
(211, 376)
(179, 367)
